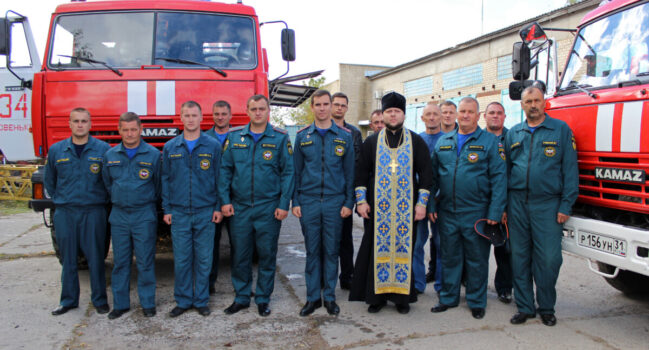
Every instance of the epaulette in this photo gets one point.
(282, 131)
(304, 128)
(237, 128)
(344, 128)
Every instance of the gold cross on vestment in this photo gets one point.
(393, 164)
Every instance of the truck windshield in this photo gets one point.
(133, 39)
(612, 50)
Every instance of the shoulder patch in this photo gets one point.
(281, 131)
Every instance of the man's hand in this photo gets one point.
(167, 219)
(227, 210)
(432, 216)
(217, 217)
(363, 210)
(561, 218)
(345, 212)
(297, 212)
(280, 214)
(420, 212)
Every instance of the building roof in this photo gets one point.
(490, 36)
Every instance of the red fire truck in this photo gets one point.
(603, 95)
(145, 56)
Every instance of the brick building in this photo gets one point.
(480, 68)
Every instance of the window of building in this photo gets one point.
(422, 86)
(465, 76)
(413, 117)
(505, 67)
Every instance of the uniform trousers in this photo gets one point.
(192, 236)
(462, 248)
(535, 238)
(81, 227)
(133, 231)
(250, 227)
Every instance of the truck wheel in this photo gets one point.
(82, 263)
(626, 282)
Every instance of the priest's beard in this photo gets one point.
(395, 127)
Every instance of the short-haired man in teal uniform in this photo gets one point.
(73, 181)
(494, 116)
(190, 163)
(470, 175)
(543, 186)
(221, 114)
(256, 184)
(131, 174)
(324, 195)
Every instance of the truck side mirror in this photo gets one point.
(516, 88)
(5, 37)
(532, 32)
(288, 44)
(520, 61)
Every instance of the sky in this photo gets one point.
(378, 32)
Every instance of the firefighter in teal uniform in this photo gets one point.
(73, 181)
(543, 186)
(190, 202)
(221, 114)
(324, 195)
(470, 175)
(131, 173)
(256, 185)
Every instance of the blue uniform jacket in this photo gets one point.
(431, 140)
(474, 180)
(211, 133)
(72, 180)
(257, 173)
(132, 183)
(189, 181)
(324, 166)
(544, 163)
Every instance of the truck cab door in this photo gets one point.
(16, 140)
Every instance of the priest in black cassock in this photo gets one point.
(393, 176)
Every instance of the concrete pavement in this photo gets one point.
(591, 315)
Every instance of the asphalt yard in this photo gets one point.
(591, 314)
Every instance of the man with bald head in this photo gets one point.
(543, 186)
(469, 173)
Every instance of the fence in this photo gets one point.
(15, 181)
